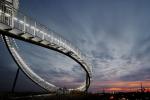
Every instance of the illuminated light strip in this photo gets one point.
(27, 25)
(7, 15)
(27, 69)
(55, 40)
(36, 29)
(15, 43)
(15, 18)
(20, 21)
(32, 27)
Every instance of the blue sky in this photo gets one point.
(114, 34)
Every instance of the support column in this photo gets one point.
(86, 83)
(15, 80)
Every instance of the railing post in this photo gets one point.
(34, 28)
(43, 36)
(12, 19)
(24, 26)
(52, 37)
(86, 83)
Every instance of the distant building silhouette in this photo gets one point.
(142, 88)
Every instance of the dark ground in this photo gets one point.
(76, 96)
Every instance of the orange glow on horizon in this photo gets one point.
(125, 90)
(123, 86)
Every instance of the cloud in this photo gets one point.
(54, 67)
(114, 35)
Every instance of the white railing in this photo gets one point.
(17, 20)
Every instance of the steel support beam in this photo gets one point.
(15, 80)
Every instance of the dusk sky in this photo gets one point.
(114, 34)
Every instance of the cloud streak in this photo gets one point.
(114, 35)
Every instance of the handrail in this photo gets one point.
(26, 24)
(16, 20)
